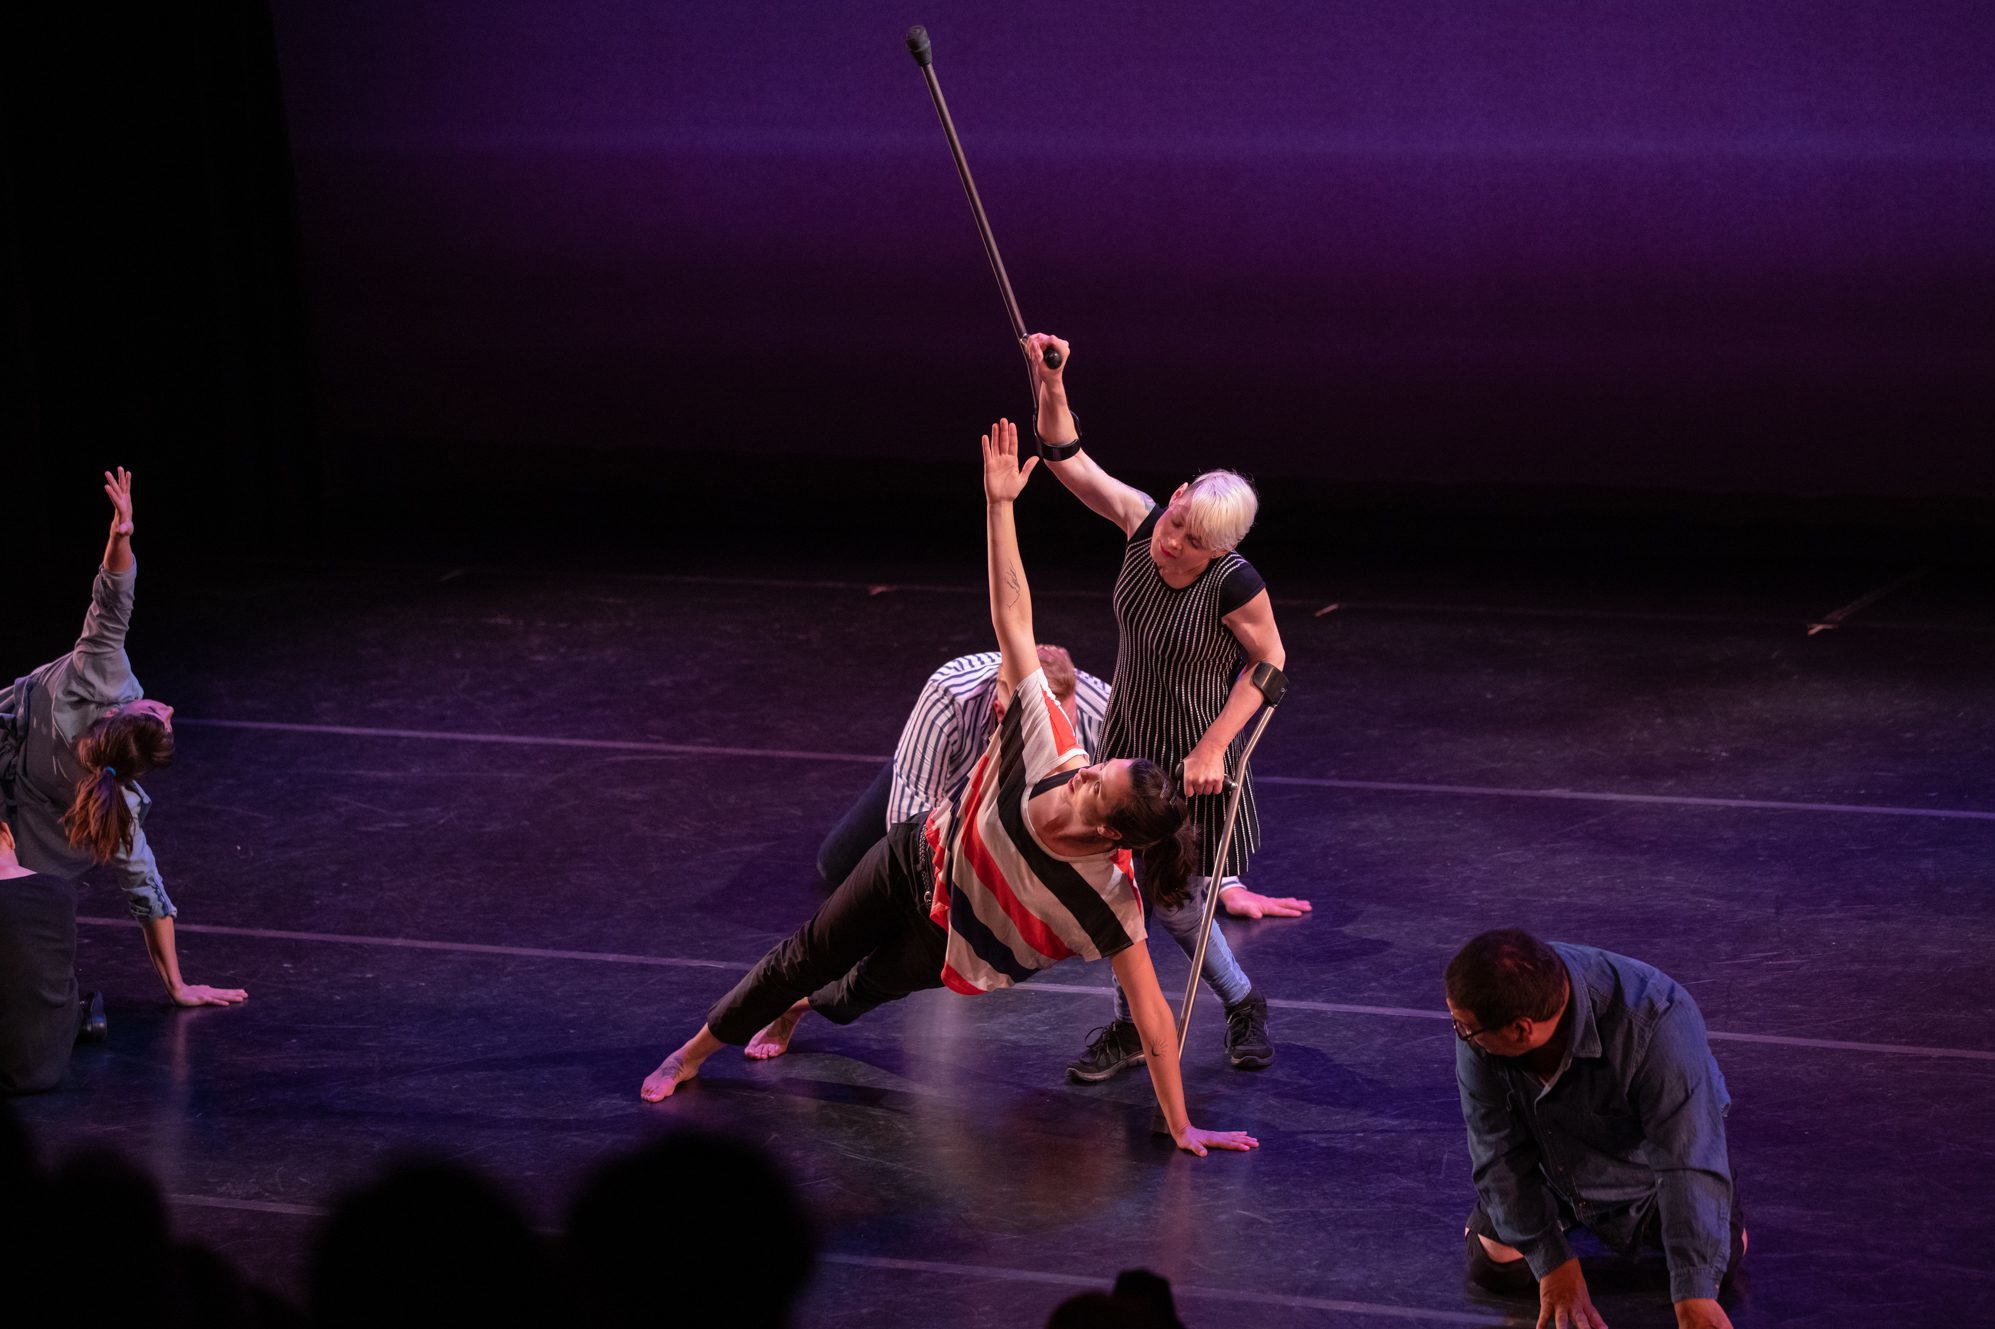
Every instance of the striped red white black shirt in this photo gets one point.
(1011, 906)
(950, 726)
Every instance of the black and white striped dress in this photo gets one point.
(1175, 664)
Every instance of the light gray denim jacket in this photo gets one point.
(42, 714)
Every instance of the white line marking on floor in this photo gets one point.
(1835, 618)
(1901, 1049)
(531, 741)
(1099, 992)
(878, 759)
(421, 944)
(1584, 796)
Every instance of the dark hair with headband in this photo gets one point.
(1155, 822)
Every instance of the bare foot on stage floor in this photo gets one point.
(774, 1041)
(671, 1073)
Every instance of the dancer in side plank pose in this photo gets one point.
(1028, 863)
(944, 735)
(75, 736)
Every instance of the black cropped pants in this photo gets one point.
(870, 943)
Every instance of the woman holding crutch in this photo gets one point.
(1026, 864)
(1193, 618)
(1184, 624)
(75, 737)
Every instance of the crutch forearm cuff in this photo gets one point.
(1271, 681)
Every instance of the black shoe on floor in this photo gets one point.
(1247, 1045)
(91, 1026)
(1501, 1278)
(1113, 1048)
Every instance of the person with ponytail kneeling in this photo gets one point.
(1027, 863)
(76, 735)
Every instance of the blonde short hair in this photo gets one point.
(1221, 506)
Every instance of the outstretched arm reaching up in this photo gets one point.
(118, 547)
(1102, 492)
(99, 672)
(1011, 597)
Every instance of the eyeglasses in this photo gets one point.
(1467, 1035)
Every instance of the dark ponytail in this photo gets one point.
(1155, 822)
(114, 751)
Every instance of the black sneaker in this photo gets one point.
(91, 1027)
(1247, 1045)
(1110, 1049)
(1502, 1278)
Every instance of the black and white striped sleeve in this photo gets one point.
(1091, 700)
(943, 734)
(923, 755)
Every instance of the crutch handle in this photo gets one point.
(1048, 355)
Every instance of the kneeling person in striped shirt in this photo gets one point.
(944, 735)
(1026, 864)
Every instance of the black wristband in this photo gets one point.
(1058, 451)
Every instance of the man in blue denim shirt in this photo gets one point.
(1591, 1098)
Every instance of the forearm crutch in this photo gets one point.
(1273, 684)
(924, 56)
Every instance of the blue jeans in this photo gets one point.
(1222, 973)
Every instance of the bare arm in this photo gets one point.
(166, 960)
(146, 896)
(1253, 626)
(1159, 1031)
(1011, 597)
(1103, 493)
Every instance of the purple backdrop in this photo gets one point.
(1709, 245)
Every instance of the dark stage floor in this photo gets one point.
(484, 844)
